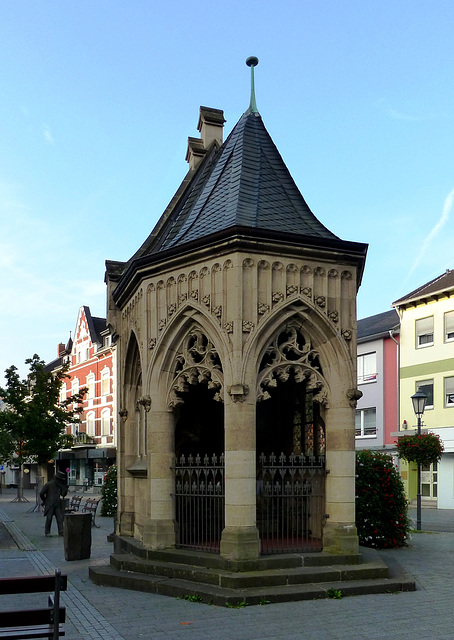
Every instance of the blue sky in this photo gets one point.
(98, 99)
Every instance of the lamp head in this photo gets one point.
(419, 400)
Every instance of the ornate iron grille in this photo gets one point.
(199, 502)
(290, 502)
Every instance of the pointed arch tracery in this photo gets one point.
(290, 352)
(197, 361)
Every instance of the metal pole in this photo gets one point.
(418, 495)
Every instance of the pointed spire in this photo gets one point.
(252, 62)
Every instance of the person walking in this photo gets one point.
(52, 495)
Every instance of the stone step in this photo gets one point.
(108, 575)
(246, 579)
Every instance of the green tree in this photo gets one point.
(33, 422)
(109, 492)
(381, 506)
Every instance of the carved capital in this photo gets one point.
(238, 392)
(145, 401)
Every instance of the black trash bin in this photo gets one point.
(77, 535)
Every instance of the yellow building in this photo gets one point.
(427, 364)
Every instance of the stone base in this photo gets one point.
(125, 523)
(240, 543)
(159, 534)
(340, 539)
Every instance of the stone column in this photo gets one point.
(340, 535)
(159, 529)
(240, 538)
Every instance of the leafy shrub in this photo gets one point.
(381, 506)
(109, 492)
(422, 449)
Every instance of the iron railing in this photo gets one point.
(199, 502)
(290, 502)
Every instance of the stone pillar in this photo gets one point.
(340, 535)
(159, 529)
(240, 538)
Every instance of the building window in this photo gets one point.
(91, 423)
(365, 423)
(367, 368)
(105, 383)
(90, 389)
(449, 392)
(105, 422)
(63, 393)
(449, 326)
(425, 332)
(427, 387)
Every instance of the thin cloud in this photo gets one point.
(48, 135)
(434, 231)
(396, 114)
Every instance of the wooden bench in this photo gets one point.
(90, 506)
(34, 623)
(74, 503)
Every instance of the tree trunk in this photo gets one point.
(20, 486)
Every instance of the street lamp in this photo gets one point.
(419, 400)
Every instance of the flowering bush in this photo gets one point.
(109, 492)
(382, 518)
(423, 449)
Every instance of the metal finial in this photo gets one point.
(252, 62)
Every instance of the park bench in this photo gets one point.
(90, 505)
(34, 623)
(74, 503)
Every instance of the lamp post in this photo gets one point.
(419, 400)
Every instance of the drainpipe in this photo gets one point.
(391, 335)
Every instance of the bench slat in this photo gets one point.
(31, 584)
(27, 633)
(30, 617)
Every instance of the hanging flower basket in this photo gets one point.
(423, 449)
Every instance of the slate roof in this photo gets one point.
(244, 183)
(378, 325)
(440, 284)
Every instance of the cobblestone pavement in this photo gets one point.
(110, 613)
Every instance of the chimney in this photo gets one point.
(60, 349)
(210, 125)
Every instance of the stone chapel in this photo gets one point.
(235, 325)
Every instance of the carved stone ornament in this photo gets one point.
(333, 315)
(123, 413)
(248, 326)
(182, 298)
(306, 291)
(217, 311)
(291, 353)
(162, 324)
(277, 296)
(171, 309)
(196, 362)
(145, 401)
(291, 289)
(195, 295)
(228, 326)
(262, 308)
(347, 334)
(353, 396)
(151, 343)
(320, 301)
(238, 392)
(206, 300)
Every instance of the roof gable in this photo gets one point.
(439, 285)
(378, 325)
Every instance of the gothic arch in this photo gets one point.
(162, 374)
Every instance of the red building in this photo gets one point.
(91, 355)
